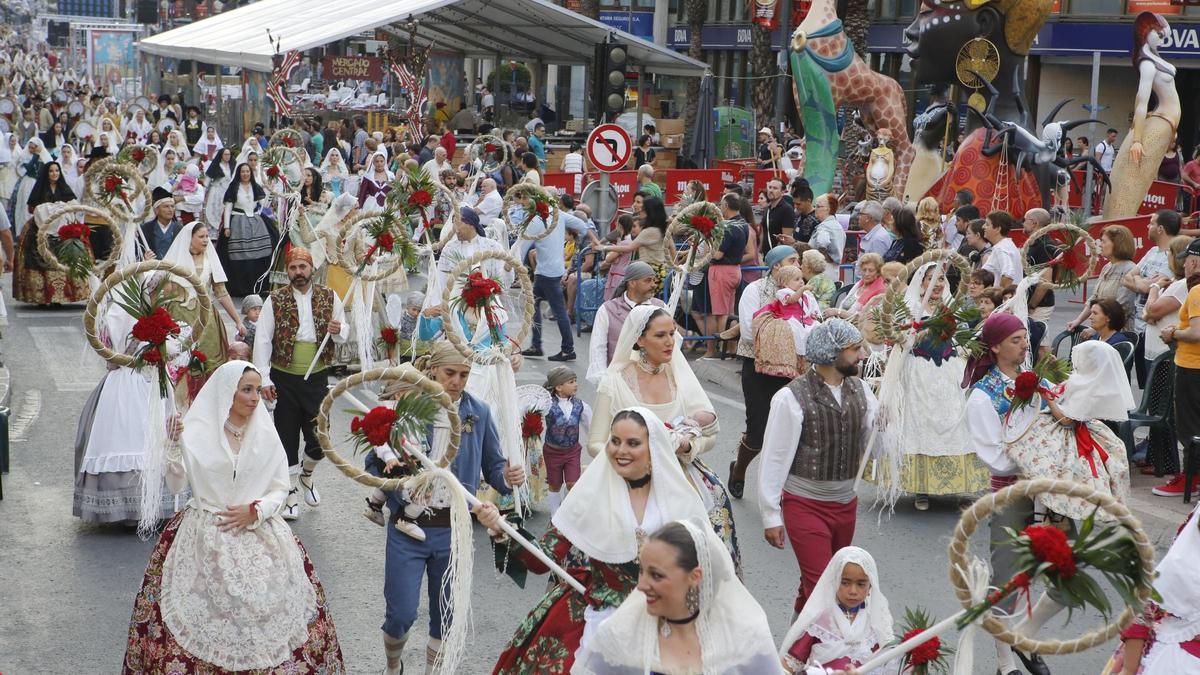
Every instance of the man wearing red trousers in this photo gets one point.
(816, 435)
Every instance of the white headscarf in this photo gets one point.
(6, 151)
(734, 636)
(872, 625)
(250, 146)
(327, 229)
(596, 514)
(41, 152)
(180, 253)
(175, 142)
(1098, 388)
(162, 174)
(369, 167)
(1176, 581)
(326, 166)
(625, 354)
(201, 146)
(914, 296)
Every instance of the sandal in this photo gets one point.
(735, 487)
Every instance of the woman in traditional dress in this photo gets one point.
(66, 159)
(193, 251)
(110, 440)
(209, 145)
(162, 174)
(689, 614)
(10, 152)
(30, 166)
(33, 281)
(598, 532)
(219, 174)
(648, 369)
(246, 240)
(109, 136)
(229, 588)
(924, 439)
(333, 172)
(176, 143)
(375, 185)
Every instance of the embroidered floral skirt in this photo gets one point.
(152, 649)
(1050, 450)
(944, 475)
(34, 283)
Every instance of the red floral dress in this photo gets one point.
(546, 641)
(153, 650)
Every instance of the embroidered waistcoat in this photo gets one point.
(831, 440)
(562, 431)
(287, 323)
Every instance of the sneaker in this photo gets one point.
(410, 528)
(1173, 488)
(311, 496)
(561, 356)
(374, 514)
(532, 351)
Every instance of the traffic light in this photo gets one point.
(612, 85)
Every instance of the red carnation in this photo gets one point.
(1049, 545)
(531, 425)
(138, 154)
(74, 231)
(490, 147)
(388, 335)
(155, 327)
(478, 289)
(199, 356)
(543, 210)
(926, 652)
(420, 198)
(151, 356)
(112, 183)
(273, 171)
(385, 241)
(356, 425)
(376, 425)
(289, 141)
(1026, 385)
(703, 224)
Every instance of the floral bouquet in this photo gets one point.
(74, 249)
(411, 194)
(387, 340)
(387, 233)
(197, 363)
(708, 230)
(929, 656)
(532, 428)
(114, 187)
(153, 325)
(384, 425)
(951, 325)
(144, 158)
(481, 293)
(1045, 378)
(1067, 263)
(540, 203)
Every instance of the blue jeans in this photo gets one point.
(406, 561)
(550, 289)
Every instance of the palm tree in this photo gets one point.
(762, 65)
(695, 10)
(856, 25)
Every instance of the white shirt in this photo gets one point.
(457, 250)
(1154, 262)
(307, 332)
(1154, 343)
(987, 432)
(830, 238)
(488, 101)
(193, 202)
(749, 304)
(598, 347)
(780, 440)
(1005, 261)
(572, 163)
(434, 169)
(488, 207)
(1106, 153)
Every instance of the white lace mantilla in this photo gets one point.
(238, 601)
(931, 419)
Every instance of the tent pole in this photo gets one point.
(640, 102)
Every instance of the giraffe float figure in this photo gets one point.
(827, 73)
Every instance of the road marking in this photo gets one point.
(26, 415)
(67, 357)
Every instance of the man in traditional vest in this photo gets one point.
(293, 322)
(639, 285)
(816, 435)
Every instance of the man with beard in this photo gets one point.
(815, 437)
(293, 322)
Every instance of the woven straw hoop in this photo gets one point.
(996, 501)
(481, 143)
(94, 177)
(461, 269)
(530, 190)
(148, 164)
(1089, 243)
(115, 279)
(283, 162)
(60, 210)
(681, 221)
(407, 374)
(351, 251)
(956, 260)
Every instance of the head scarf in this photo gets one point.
(777, 254)
(180, 253)
(734, 636)
(295, 253)
(828, 339)
(996, 329)
(250, 302)
(1176, 581)
(558, 375)
(626, 353)
(914, 295)
(596, 515)
(872, 625)
(36, 148)
(369, 167)
(326, 165)
(638, 270)
(442, 353)
(201, 146)
(6, 152)
(1098, 388)
(471, 218)
(162, 202)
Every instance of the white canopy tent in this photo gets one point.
(529, 29)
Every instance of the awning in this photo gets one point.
(522, 29)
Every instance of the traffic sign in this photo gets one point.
(608, 147)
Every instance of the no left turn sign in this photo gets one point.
(608, 147)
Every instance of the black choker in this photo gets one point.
(640, 482)
(680, 622)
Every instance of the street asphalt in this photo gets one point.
(67, 589)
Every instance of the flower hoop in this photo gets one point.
(406, 374)
(286, 138)
(118, 277)
(1066, 257)
(957, 261)
(282, 170)
(143, 157)
(485, 146)
(681, 225)
(59, 215)
(538, 194)
(119, 188)
(996, 501)
(355, 254)
(413, 192)
(461, 270)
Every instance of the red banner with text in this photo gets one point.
(571, 183)
(678, 179)
(353, 68)
(1161, 195)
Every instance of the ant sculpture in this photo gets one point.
(1043, 156)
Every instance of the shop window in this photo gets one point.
(1096, 7)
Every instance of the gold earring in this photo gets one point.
(981, 56)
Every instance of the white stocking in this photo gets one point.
(1005, 661)
(1043, 610)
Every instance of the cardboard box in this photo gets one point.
(672, 141)
(670, 127)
